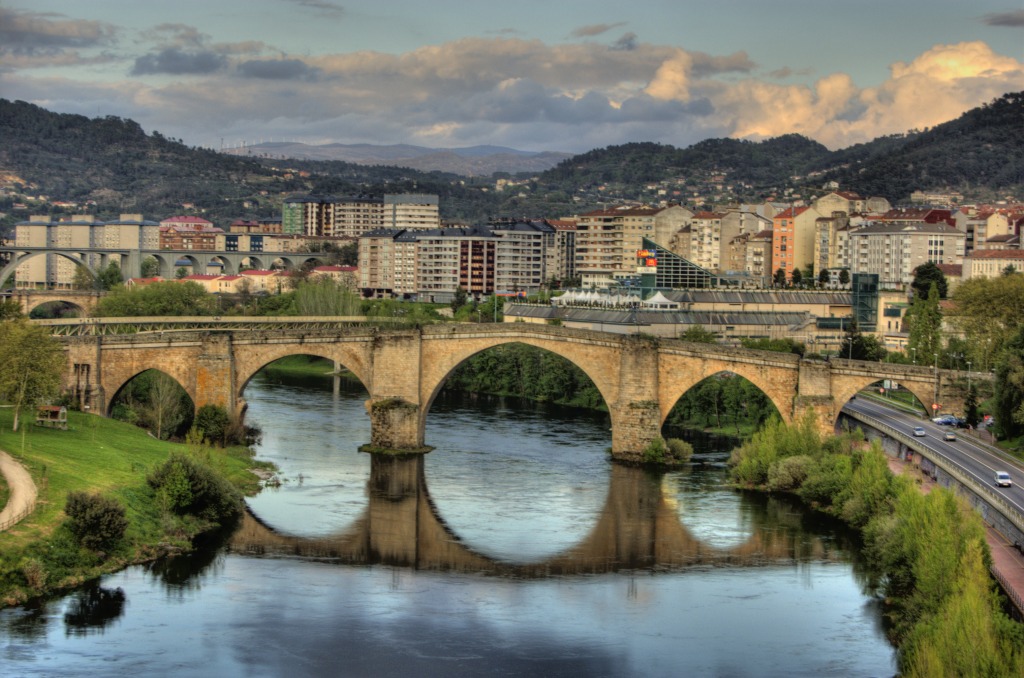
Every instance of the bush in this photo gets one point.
(679, 450)
(186, 486)
(213, 423)
(98, 522)
(789, 473)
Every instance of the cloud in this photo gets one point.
(173, 61)
(595, 29)
(32, 32)
(1014, 19)
(321, 6)
(278, 69)
(626, 42)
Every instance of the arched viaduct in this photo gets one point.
(403, 369)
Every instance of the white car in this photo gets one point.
(919, 432)
(1003, 479)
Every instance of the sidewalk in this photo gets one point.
(23, 491)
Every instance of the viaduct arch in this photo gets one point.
(640, 378)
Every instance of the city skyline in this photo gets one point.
(566, 77)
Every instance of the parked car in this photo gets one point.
(949, 435)
(944, 419)
(919, 432)
(1003, 479)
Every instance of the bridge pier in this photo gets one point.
(395, 427)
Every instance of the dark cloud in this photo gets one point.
(1014, 19)
(174, 61)
(626, 43)
(595, 29)
(30, 32)
(278, 69)
(321, 6)
(705, 65)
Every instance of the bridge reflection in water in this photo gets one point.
(639, 527)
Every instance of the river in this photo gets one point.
(514, 548)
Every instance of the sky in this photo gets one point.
(555, 75)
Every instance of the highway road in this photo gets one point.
(974, 458)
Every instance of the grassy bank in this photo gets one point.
(107, 457)
(928, 554)
(303, 365)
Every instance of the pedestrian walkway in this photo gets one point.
(22, 499)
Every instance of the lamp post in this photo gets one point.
(968, 376)
(936, 373)
(913, 356)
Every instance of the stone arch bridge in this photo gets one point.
(403, 369)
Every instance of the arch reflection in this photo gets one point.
(638, 527)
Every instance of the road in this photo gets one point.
(975, 458)
(23, 491)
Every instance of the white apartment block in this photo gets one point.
(894, 250)
(607, 242)
(413, 211)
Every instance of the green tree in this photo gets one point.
(150, 267)
(780, 277)
(1009, 270)
(83, 279)
(988, 311)
(98, 522)
(10, 310)
(110, 276)
(459, 300)
(925, 276)
(857, 346)
(823, 277)
(324, 296)
(925, 320)
(1009, 387)
(971, 414)
(844, 277)
(699, 335)
(797, 277)
(160, 298)
(31, 363)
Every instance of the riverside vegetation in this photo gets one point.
(927, 551)
(109, 496)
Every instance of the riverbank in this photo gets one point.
(97, 456)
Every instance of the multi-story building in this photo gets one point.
(793, 239)
(412, 211)
(991, 263)
(560, 251)
(387, 263)
(83, 232)
(846, 202)
(893, 250)
(188, 233)
(449, 258)
(356, 215)
(980, 226)
(307, 215)
(828, 252)
(758, 263)
(736, 223)
(521, 253)
(706, 240)
(607, 242)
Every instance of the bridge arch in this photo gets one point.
(730, 385)
(73, 308)
(439, 362)
(848, 387)
(177, 373)
(164, 406)
(680, 373)
(20, 258)
(353, 356)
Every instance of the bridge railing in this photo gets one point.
(70, 327)
(947, 466)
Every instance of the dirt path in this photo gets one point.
(23, 490)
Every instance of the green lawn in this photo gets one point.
(111, 458)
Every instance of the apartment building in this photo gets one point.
(893, 250)
(83, 231)
(412, 211)
(734, 224)
(560, 250)
(607, 242)
(829, 240)
(981, 227)
(188, 233)
(520, 254)
(387, 263)
(352, 216)
(991, 263)
(793, 239)
(758, 255)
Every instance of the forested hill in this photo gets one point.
(113, 162)
(980, 154)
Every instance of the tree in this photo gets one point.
(165, 412)
(1009, 270)
(698, 334)
(971, 415)
(459, 300)
(797, 277)
(925, 321)
(98, 522)
(150, 267)
(780, 277)
(857, 346)
(180, 272)
(924, 276)
(83, 279)
(1009, 387)
(159, 298)
(988, 311)
(31, 363)
(823, 276)
(844, 277)
(110, 276)
(10, 310)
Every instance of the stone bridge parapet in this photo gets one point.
(404, 368)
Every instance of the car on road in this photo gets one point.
(919, 432)
(944, 420)
(949, 435)
(1003, 479)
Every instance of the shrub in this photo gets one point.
(789, 473)
(98, 522)
(213, 423)
(679, 450)
(186, 486)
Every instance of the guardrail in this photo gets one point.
(17, 518)
(947, 466)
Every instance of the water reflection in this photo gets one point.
(638, 527)
(92, 609)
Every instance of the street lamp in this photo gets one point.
(968, 376)
(914, 354)
(936, 372)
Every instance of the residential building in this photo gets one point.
(793, 240)
(356, 215)
(758, 257)
(560, 252)
(992, 263)
(893, 250)
(188, 233)
(387, 263)
(981, 226)
(827, 251)
(412, 211)
(607, 242)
